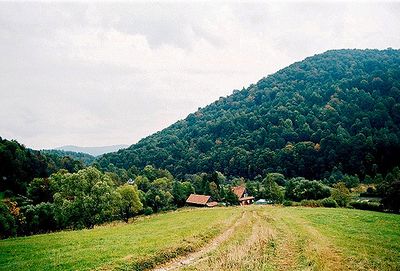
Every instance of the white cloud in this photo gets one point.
(99, 74)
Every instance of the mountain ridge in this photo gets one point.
(289, 122)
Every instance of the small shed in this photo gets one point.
(201, 200)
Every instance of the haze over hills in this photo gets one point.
(95, 151)
(334, 112)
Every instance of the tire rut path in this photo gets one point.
(196, 256)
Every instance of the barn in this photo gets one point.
(201, 201)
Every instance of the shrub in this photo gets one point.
(8, 225)
(311, 203)
(365, 205)
(287, 203)
(148, 211)
(351, 181)
(301, 189)
(341, 194)
(39, 218)
(329, 203)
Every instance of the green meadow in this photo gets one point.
(260, 238)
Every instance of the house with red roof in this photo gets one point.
(241, 193)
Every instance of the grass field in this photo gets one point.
(256, 238)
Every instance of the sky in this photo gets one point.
(97, 74)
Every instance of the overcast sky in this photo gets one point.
(111, 73)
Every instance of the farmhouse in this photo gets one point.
(200, 200)
(241, 193)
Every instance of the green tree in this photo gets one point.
(351, 181)
(390, 190)
(275, 177)
(181, 191)
(128, 201)
(272, 191)
(82, 199)
(230, 197)
(142, 183)
(341, 194)
(214, 191)
(39, 190)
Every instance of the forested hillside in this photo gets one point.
(337, 111)
(20, 165)
(85, 158)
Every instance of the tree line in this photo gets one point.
(90, 197)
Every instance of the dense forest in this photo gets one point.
(339, 110)
(20, 165)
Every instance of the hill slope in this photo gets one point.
(20, 165)
(339, 109)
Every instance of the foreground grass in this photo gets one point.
(261, 238)
(276, 238)
(145, 242)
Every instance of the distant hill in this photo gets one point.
(334, 112)
(95, 151)
(85, 158)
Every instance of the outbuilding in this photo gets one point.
(201, 201)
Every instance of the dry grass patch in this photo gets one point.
(245, 251)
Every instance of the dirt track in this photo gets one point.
(201, 254)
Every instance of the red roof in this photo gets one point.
(239, 191)
(198, 199)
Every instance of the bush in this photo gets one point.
(311, 203)
(8, 225)
(371, 192)
(288, 203)
(148, 211)
(39, 218)
(329, 203)
(341, 194)
(301, 189)
(365, 205)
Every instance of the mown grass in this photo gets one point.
(264, 238)
(146, 242)
(277, 238)
(368, 240)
